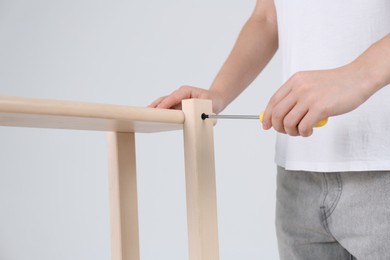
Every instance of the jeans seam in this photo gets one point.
(339, 191)
(322, 206)
(325, 192)
(325, 220)
(324, 212)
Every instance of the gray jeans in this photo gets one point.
(340, 215)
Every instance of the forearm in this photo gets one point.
(254, 48)
(374, 65)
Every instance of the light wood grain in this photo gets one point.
(122, 122)
(123, 197)
(43, 113)
(200, 181)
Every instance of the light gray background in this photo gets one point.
(53, 183)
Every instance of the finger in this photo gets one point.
(293, 118)
(175, 98)
(177, 107)
(281, 93)
(280, 111)
(308, 122)
(155, 103)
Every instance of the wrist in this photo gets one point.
(375, 65)
(219, 102)
(366, 76)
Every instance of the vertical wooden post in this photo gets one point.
(123, 197)
(200, 181)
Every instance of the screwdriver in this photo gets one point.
(259, 117)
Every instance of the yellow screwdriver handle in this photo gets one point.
(319, 124)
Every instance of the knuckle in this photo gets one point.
(292, 133)
(290, 127)
(171, 100)
(277, 123)
(302, 91)
(326, 111)
(277, 116)
(297, 76)
(321, 109)
(300, 83)
(305, 131)
(280, 130)
(312, 100)
(289, 123)
(273, 100)
(176, 95)
(183, 88)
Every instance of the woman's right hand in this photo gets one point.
(173, 101)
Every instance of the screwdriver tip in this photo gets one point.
(204, 116)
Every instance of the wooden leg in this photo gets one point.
(200, 181)
(123, 197)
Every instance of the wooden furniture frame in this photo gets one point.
(121, 123)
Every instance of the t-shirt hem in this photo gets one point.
(335, 166)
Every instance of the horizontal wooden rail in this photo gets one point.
(122, 122)
(42, 113)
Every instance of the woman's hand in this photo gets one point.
(310, 96)
(173, 101)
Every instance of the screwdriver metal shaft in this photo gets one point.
(259, 117)
(204, 116)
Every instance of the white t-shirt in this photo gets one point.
(325, 34)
